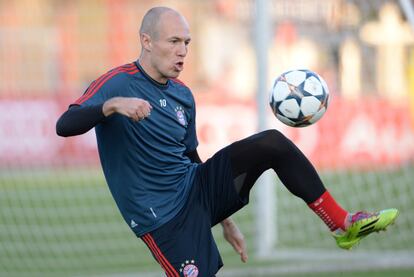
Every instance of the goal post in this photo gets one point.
(265, 219)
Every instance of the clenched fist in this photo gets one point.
(134, 108)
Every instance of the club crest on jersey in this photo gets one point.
(179, 111)
(189, 269)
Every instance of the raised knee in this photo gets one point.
(275, 140)
(273, 135)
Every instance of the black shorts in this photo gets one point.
(185, 246)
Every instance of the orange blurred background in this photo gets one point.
(51, 50)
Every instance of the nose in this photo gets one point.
(182, 50)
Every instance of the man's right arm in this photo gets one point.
(78, 120)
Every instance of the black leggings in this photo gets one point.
(252, 156)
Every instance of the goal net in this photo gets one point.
(57, 217)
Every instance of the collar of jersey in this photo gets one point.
(155, 83)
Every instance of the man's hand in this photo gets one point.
(134, 108)
(233, 235)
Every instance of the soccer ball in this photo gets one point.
(299, 97)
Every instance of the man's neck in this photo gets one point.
(150, 71)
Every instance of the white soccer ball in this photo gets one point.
(299, 97)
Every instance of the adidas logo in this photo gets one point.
(133, 224)
(318, 202)
(367, 228)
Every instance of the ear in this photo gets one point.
(146, 41)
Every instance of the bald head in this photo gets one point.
(151, 20)
(164, 36)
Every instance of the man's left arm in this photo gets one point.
(235, 237)
(230, 230)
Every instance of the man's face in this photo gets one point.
(169, 46)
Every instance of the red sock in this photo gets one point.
(329, 211)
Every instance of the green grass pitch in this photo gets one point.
(65, 223)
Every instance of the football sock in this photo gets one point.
(329, 211)
(252, 156)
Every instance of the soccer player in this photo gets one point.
(145, 123)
